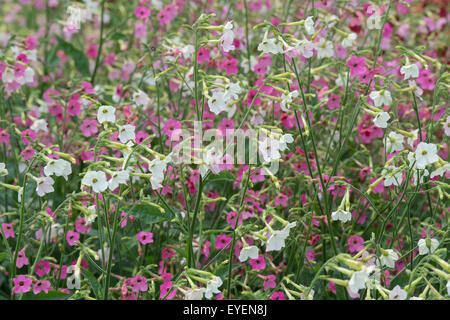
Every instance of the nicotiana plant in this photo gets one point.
(255, 149)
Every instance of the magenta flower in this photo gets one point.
(279, 295)
(28, 136)
(89, 127)
(334, 101)
(269, 282)
(8, 230)
(145, 237)
(81, 227)
(222, 241)
(355, 243)
(4, 137)
(203, 55)
(22, 259)
(281, 200)
(258, 263)
(141, 12)
(229, 65)
(172, 127)
(42, 268)
(22, 284)
(140, 283)
(357, 66)
(231, 219)
(72, 236)
(19, 70)
(42, 285)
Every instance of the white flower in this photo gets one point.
(391, 178)
(309, 26)
(426, 153)
(374, 21)
(90, 215)
(287, 99)
(381, 119)
(39, 125)
(271, 45)
(8, 75)
(20, 194)
(58, 167)
(447, 126)
(195, 294)
(106, 114)
(388, 258)
(397, 294)
(348, 40)
(410, 71)
(284, 140)
(394, 142)
(341, 215)
(140, 98)
(248, 252)
(217, 103)
(420, 173)
(381, 98)
(417, 90)
(324, 48)
(212, 286)
(276, 241)
(427, 246)
(3, 170)
(118, 177)
(44, 185)
(269, 149)
(157, 167)
(306, 48)
(440, 171)
(448, 287)
(358, 280)
(96, 180)
(126, 132)
(232, 91)
(227, 38)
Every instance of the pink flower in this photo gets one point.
(89, 127)
(140, 283)
(226, 126)
(222, 241)
(231, 219)
(167, 253)
(22, 259)
(334, 101)
(72, 236)
(42, 268)
(4, 137)
(172, 127)
(229, 65)
(426, 80)
(73, 106)
(258, 263)
(357, 66)
(269, 282)
(203, 55)
(310, 255)
(8, 230)
(92, 51)
(22, 284)
(28, 136)
(281, 199)
(42, 285)
(19, 70)
(260, 68)
(80, 226)
(355, 243)
(279, 295)
(145, 237)
(141, 12)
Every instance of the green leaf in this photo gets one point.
(96, 289)
(51, 295)
(3, 256)
(119, 36)
(147, 213)
(79, 58)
